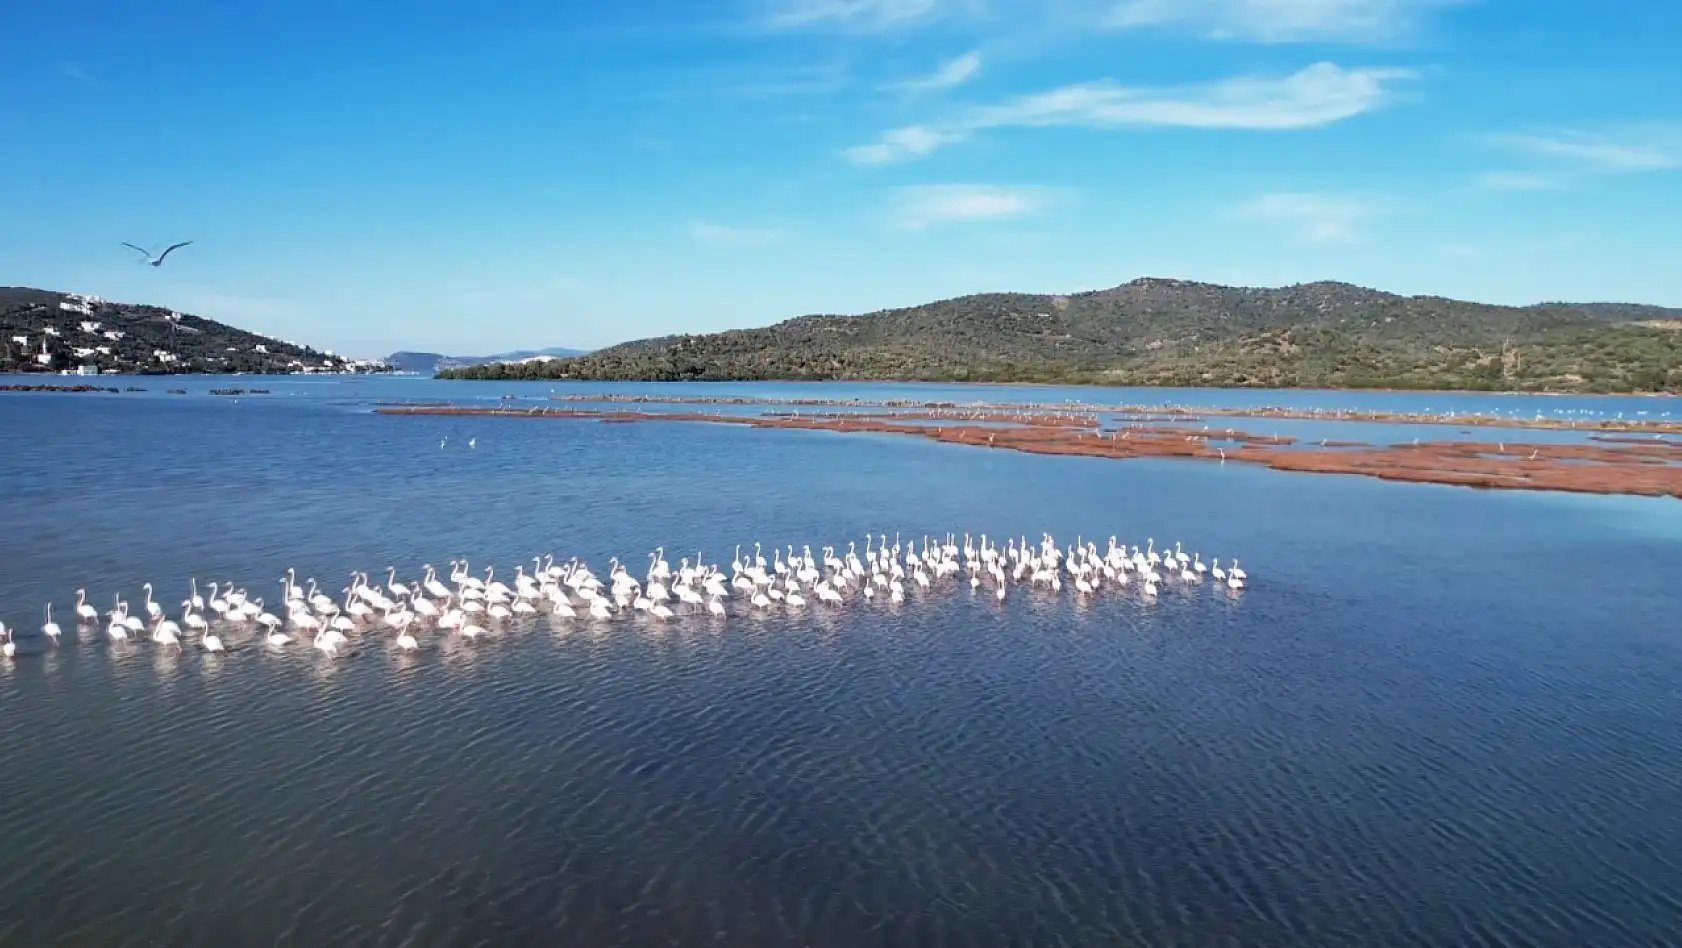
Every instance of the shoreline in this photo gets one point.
(1183, 412)
(1550, 393)
(1649, 468)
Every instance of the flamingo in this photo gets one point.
(85, 612)
(167, 633)
(118, 630)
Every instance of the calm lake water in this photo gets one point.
(1437, 716)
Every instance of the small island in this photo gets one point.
(45, 331)
(1157, 332)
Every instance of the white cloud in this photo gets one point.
(1317, 95)
(79, 74)
(953, 73)
(1279, 21)
(1653, 149)
(1518, 181)
(900, 144)
(721, 235)
(1317, 218)
(816, 79)
(1567, 157)
(1267, 21)
(855, 15)
(921, 206)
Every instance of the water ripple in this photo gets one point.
(1447, 718)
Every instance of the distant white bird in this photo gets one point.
(472, 442)
(157, 261)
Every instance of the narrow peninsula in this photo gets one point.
(1160, 332)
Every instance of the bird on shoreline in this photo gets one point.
(158, 260)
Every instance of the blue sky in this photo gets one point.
(477, 176)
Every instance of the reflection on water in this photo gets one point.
(1438, 717)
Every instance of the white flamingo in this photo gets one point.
(167, 633)
(84, 612)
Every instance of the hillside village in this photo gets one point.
(45, 331)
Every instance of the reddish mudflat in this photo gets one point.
(1633, 466)
(1158, 412)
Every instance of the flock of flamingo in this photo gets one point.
(468, 606)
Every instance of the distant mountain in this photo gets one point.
(49, 331)
(427, 363)
(519, 354)
(1176, 332)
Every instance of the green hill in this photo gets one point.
(48, 331)
(1175, 332)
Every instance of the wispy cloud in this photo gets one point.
(1316, 218)
(1317, 95)
(73, 71)
(1279, 21)
(868, 16)
(1265, 21)
(1518, 181)
(817, 79)
(722, 235)
(1656, 149)
(951, 74)
(922, 206)
(1568, 157)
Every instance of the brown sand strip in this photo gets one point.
(1646, 468)
(1304, 414)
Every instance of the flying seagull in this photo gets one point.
(157, 261)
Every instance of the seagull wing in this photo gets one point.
(143, 250)
(161, 256)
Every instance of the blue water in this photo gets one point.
(1438, 716)
(1584, 407)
